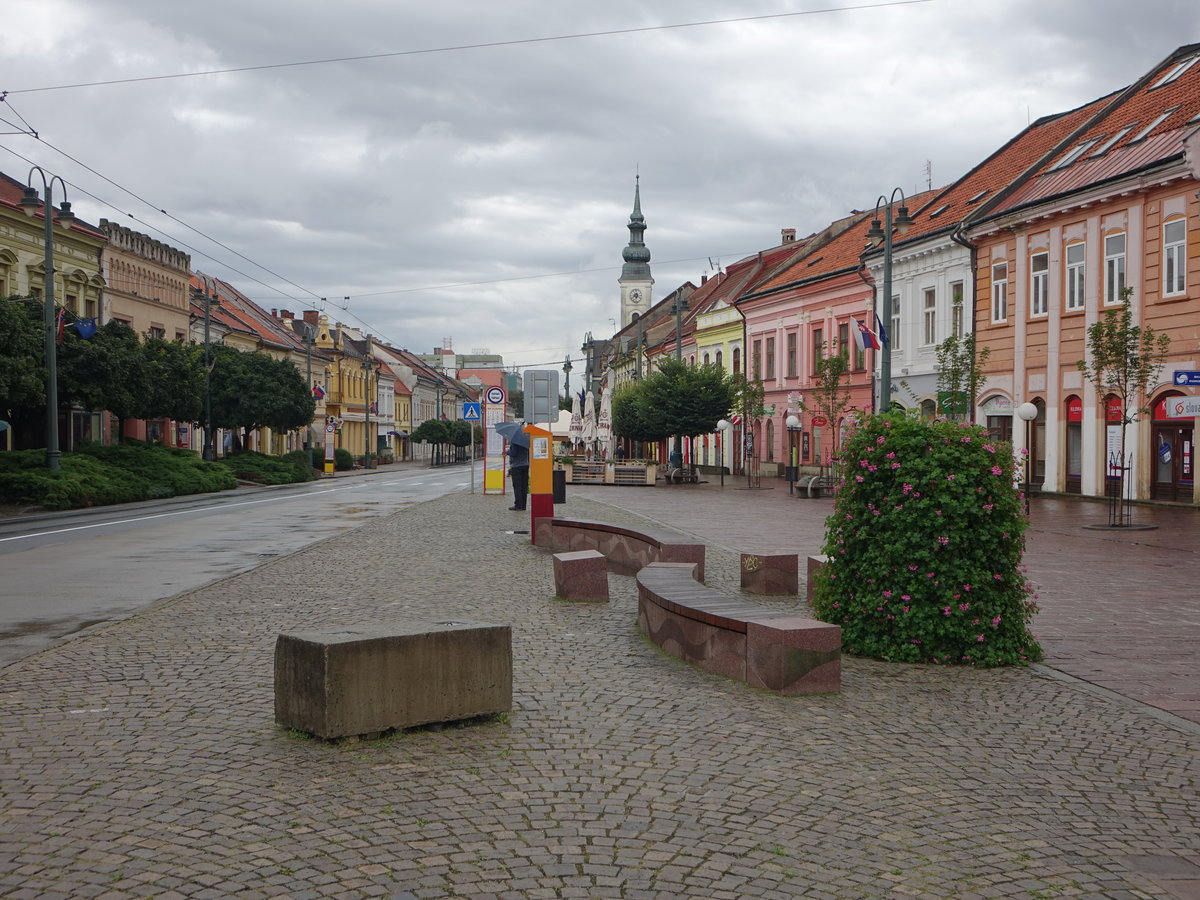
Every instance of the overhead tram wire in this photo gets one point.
(480, 46)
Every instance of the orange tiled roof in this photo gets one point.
(1145, 126)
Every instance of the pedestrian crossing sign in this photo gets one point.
(472, 412)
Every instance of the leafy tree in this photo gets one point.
(108, 371)
(22, 373)
(632, 417)
(831, 394)
(176, 383)
(925, 546)
(254, 390)
(960, 375)
(684, 400)
(1124, 360)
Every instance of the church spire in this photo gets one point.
(636, 254)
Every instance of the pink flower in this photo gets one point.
(858, 478)
(895, 465)
(907, 608)
(943, 541)
(945, 610)
(887, 593)
(979, 638)
(890, 455)
(964, 606)
(949, 477)
(989, 448)
(905, 597)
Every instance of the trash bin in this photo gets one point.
(559, 485)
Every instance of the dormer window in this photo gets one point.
(941, 209)
(1145, 132)
(980, 195)
(1075, 153)
(1178, 70)
(1111, 142)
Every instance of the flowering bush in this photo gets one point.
(925, 546)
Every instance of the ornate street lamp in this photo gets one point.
(30, 203)
(206, 452)
(567, 376)
(878, 230)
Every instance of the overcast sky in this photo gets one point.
(481, 193)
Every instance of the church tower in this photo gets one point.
(635, 277)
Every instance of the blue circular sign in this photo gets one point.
(495, 395)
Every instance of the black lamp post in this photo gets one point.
(902, 223)
(206, 452)
(567, 376)
(30, 203)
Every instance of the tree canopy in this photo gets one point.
(675, 400)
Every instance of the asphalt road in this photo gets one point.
(63, 573)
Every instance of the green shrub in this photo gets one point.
(263, 469)
(925, 546)
(342, 459)
(97, 475)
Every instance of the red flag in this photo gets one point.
(62, 324)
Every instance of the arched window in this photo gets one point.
(770, 439)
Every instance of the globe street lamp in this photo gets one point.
(902, 223)
(1027, 413)
(30, 203)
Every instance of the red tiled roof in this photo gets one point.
(1118, 133)
(11, 192)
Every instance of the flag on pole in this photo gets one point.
(318, 392)
(62, 324)
(882, 332)
(864, 337)
(85, 328)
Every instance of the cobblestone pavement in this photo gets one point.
(141, 759)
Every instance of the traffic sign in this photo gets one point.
(495, 395)
(1185, 378)
(472, 412)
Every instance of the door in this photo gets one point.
(1173, 454)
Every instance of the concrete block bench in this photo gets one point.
(581, 575)
(815, 564)
(779, 651)
(626, 549)
(368, 679)
(771, 573)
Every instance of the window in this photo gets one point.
(158, 332)
(737, 360)
(1039, 284)
(1176, 71)
(1075, 263)
(706, 360)
(1111, 142)
(894, 335)
(929, 317)
(771, 358)
(791, 354)
(1114, 268)
(756, 360)
(719, 358)
(1077, 151)
(1174, 257)
(1145, 132)
(957, 313)
(1000, 292)
(818, 347)
(843, 339)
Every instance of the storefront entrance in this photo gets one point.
(1172, 450)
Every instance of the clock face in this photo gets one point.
(635, 296)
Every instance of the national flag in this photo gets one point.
(318, 392)
(864, 337)
(881, 331)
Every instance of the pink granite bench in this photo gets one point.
(581, 575)
(779, 651)
(626, 549)
(772, 573)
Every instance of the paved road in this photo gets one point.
(141, 759)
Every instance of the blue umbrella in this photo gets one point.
(513, 433)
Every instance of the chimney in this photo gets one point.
(787, 235)
(312, 316)
(704, 278)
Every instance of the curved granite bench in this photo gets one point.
(776, 650)
(626, 549)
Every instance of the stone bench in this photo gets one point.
(627, 549)
(815, 564)
(373, 678)
(771, 573)
(581, 575)
(775, 650)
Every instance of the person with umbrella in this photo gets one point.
(518, 460)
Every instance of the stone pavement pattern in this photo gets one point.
(141, 759)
